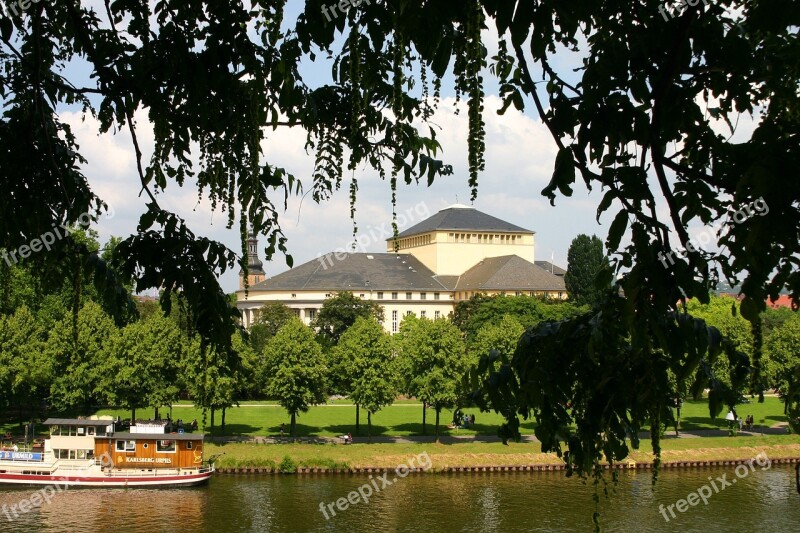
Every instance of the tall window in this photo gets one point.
(437, 314)
(380, 296)
(422, 314)
(394, 296)
(423, 295)
(394, 321)
(408, 296)
(312, 314)
(435, 295)
(409, 313)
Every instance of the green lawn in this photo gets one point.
(403, 418)
(484, 454)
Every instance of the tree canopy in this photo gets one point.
(341, 311)
(585, 261)
(295, 370)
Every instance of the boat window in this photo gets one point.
(72, 454)
(126, 445)
(189, 445)
(55, 431)
(81, 431)
(101, 430)
(81, 454)
(90, 430)
(165, 446)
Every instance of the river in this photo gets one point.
(759, 499)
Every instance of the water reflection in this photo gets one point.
(428, 503)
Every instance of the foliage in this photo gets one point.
(25, 375)
(585, 260)
(783, 349)
(432, 361)
(271, 317)
(340, 312)
(473, 314)
(591, 389)
(364, 364)
(295, 373)
(78, 361)
(144, 365)
(502, 337)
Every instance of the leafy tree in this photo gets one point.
(363, 362)
(78, 361)
(433, 362)
(783, 349)
(340, 312)
(25, 374)
(271, 318)
(295, 371)
(144, 366)
(502, 337)
(585, 260)
(473, 314)
(723, 313)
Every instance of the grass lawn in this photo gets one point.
(484, 454)
(401, 419)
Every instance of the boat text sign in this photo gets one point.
(21, 456)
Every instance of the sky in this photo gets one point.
(520, 155)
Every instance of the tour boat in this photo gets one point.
(83, 452)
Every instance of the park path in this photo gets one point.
(455, 439)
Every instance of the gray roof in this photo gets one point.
(509, 273)
(355, 272)
(152, 436)
(76, 422)
(462, 218)
(550, 267)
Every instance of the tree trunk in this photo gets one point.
(212, 420)
(438, 410)
(133, 415)
(357, 420)
(156, 417)
(223, 420)
(291, 427)
(423, 417)
(369, 426)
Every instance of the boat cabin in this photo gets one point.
(74, 438)
(150, 446)
(146, 445)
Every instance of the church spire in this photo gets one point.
(255, 268)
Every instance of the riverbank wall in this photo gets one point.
(629, 465)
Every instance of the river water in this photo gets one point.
(759, 500)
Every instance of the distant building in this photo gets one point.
(453, 255)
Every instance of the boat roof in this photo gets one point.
(76, 422)
(152, 436)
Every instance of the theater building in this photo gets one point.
(453, 255)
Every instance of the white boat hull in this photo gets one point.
(116, 478)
